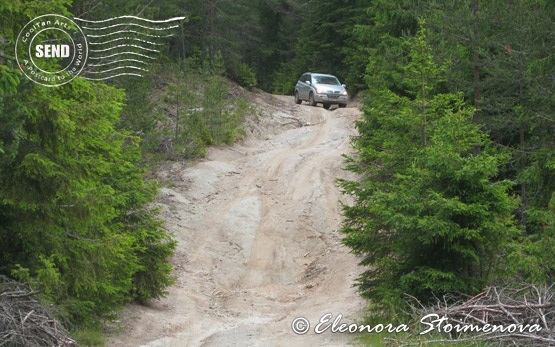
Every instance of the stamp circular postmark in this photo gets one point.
(51, 50)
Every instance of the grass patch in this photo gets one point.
(90, 337)
(410, 340)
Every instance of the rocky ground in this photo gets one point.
(257, 225)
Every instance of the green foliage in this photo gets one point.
(153, 246)
(532, 256)
(246, 76)
(73, 201)
(429, 216)
(508, 78)
(285, 79)
(141, 116)
(205, 113)
(89, 337)
(431, 210)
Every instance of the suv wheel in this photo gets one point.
(342, 105)
(297, 100)
(311, 99)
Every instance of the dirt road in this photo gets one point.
(258, 242)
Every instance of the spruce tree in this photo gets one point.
(429, 216)
(75, 220)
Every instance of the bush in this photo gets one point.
(205, 115)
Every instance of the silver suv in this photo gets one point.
(320, 88)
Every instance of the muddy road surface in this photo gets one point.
(257, 226)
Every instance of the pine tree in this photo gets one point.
(75, 220)
(429, 217)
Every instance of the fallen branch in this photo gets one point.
(25, 322)
(529, 308)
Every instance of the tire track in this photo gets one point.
(258, 244)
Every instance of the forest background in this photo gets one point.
(455, 155)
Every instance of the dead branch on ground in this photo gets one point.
(25, 322)
(524, 316)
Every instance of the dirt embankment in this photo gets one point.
(258, 243)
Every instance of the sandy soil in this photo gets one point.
(258, 242)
